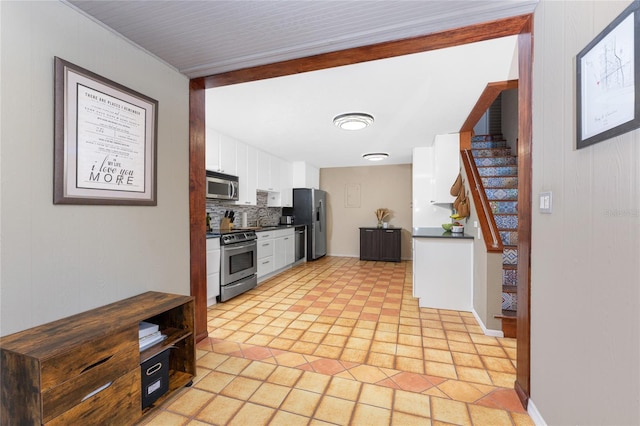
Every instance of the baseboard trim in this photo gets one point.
(485, 330)
(535, 414)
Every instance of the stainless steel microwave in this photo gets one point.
(221, 186)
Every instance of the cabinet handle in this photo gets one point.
(154, 368)
(389, 231)
(100, 389)
(95, 364)
(265, 262)
(368, 230)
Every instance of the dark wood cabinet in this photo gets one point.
(380, 244)
(85, 369)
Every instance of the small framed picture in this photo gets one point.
(105, 140)
(607, 71)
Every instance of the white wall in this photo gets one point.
(510, 118)
(487, 271)
(59, 260)
(585, 264)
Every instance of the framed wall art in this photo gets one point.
(105, 148)
(608, 77)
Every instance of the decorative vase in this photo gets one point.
(380, 223)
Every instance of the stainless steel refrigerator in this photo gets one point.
(310, 209)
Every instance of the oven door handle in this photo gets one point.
(230, 248)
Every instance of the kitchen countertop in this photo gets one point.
(438, 233)
(216, 233)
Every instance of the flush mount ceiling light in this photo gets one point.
(375, 156)
(353, 120)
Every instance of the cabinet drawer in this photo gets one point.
(74, 391)
(282, 232)
(118, 404)
(265, 248)
(81, 359)
(264, 235)
(265, 266)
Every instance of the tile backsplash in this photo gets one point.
(268, 215)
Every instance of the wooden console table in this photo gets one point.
(85, 369)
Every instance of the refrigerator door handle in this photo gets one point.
(320, 210)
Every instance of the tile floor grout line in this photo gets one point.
(402, 312)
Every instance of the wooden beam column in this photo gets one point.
(197, 204)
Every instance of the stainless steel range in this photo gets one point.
(238, 263)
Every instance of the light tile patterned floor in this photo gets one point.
(341, 341)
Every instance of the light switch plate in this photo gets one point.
(546, 202)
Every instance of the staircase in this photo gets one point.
(498, 170)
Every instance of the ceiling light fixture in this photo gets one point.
(375, 156)
(353, 121)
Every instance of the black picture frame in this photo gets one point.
(608, 81)
(105, 140)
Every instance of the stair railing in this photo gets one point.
(490, 232)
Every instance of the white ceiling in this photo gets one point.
(412, 97)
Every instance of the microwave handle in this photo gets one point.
(234, 190)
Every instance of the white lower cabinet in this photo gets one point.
(284, 248)
(276, 251)
(443, 273)
(213, 270)
(265, 253)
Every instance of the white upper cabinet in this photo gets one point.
(446, 166)
(305, 175)
(263, 178)
(269, 172)
(246, 161)
(427, 211)
(276, 178)
(220, 153)
(228, 156)
(212, 150)
(256, 170)
(286, 184)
